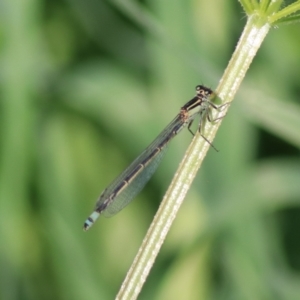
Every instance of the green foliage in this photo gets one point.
(85, 86)
(276, 11)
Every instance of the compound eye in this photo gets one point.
(203, 91)
(198, 88)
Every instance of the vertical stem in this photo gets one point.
(251, 39)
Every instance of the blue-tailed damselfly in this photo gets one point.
(129, 183)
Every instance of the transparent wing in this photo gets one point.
(131, 190)
(129, 183)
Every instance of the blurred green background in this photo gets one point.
(85, 86)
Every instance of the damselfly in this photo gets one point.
(129, 183)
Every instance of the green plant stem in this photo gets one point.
(251, 39)
(292, 8)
